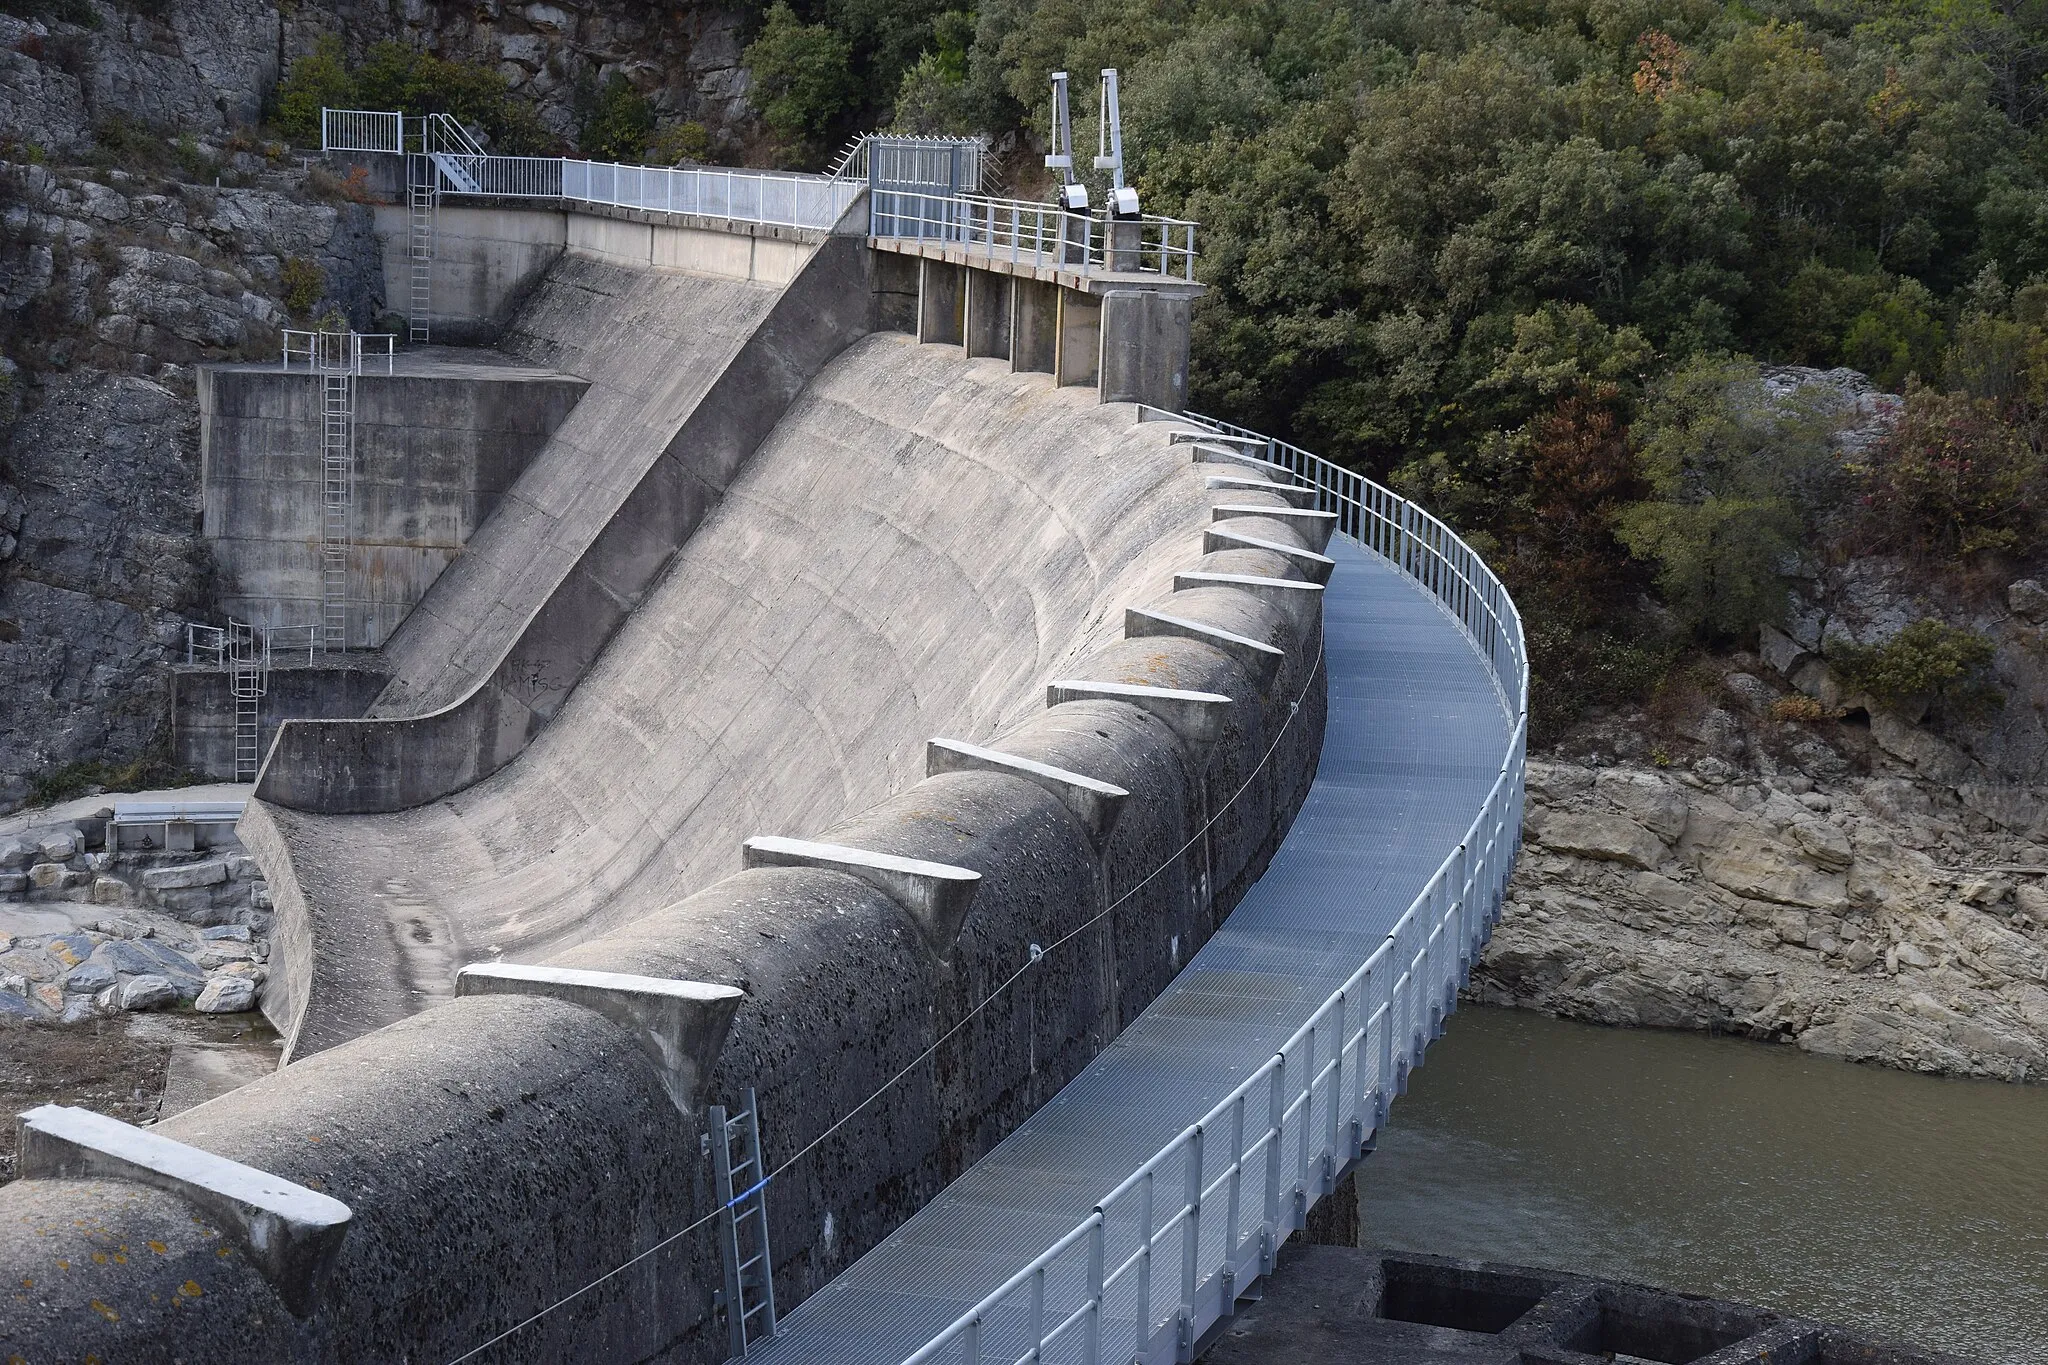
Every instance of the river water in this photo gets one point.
(1907, 1206)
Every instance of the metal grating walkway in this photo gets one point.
(1418, 735)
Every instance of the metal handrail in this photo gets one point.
(327, 352)
(1329, 1086)
(1034, 234)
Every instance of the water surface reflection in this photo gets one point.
(1905, 1205)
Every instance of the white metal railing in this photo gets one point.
(1167, 1252)
(362, 130)
(1035, 234)
(324, 352)
(208, 645)
(812, 201)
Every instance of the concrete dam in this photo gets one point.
(848, 826)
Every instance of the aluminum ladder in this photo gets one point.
(423, 203)
(749, 1295)
(248, 678)
(336, 363)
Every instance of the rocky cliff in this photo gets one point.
(150, 223)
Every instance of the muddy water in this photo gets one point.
(1903, 1205)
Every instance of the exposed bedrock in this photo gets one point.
(926, 547)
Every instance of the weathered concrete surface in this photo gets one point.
(917, 548)
(330, 687)
(688, 375)
(438, 443)
(922, 543)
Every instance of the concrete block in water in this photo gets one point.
(936, 895)
(1316, 566)
(1095, 804)
(680, 1025)
(1197, 717)
(1315, 527)
(291, 1234)
(1258, 657)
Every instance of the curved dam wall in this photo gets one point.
(915, 550)
(688, 373)
(925, 546)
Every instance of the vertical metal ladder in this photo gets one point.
(336, 367)
(749, 1295)
(423, 202)
(248, 679)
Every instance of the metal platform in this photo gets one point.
(1420, 738)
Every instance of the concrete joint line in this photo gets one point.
(1316, 526)
(1280, 592)
(1317, 566)
(1233, 483)
(1094, 803)
(290, 1233)
(936, 896)
(1197, 717)
(1215, 454)
(680, 1025)
(1259, 658)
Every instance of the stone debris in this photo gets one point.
(227, 995)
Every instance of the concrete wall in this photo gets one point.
(688, 375)
(922, 544)
(203, 711)
(489, 258)
(434, 454)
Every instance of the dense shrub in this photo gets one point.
(318, 80)
(1952, 478)
(803, 75)
(1929, 663)
(302, 283)
(613, 120)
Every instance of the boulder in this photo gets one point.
(111, 891)
(1650, 801)
(88, 979)
(13, 883)
(1781, 651)
(185, 876)
(16, 854)
(2028, 601)
(1610, 838)
(227, 995)
(1822, 844)
(1751, 865)
(147, 993)
(59, 845)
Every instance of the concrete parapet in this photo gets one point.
(936, 896)
(1207, 452)
(1260, 658)
(1299, 495)
(1145, 341)
(680, 1025)
(291, 1233)
(1270, 535)
(1315, 527)
(1094, 803)
(1197, 717)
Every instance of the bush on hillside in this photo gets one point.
(1929, 663)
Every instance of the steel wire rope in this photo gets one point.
(1038, 955)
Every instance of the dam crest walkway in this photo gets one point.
(1124, 1218)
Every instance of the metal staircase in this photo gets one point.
(749, 1295)
(248, 660)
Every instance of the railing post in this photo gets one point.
(1038, 1315)
(1337, 1101)
(1308, 1118)
(1091, 1331)
(1191, 1239)
(1276, 1133)
(1144, 1313)
(1230, 1216)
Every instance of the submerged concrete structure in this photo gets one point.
(841, 706)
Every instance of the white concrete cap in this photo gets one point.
(1316, 566)
(1094, 803)
(1299, 494)
(1262, 659)
(680, 1025)
(1317, 526)
(1197, 717)
(290, 1233)
(936, 895)
(1209, 453)
(1277, 590)
(1183, 437)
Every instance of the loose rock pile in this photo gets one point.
(146, 931)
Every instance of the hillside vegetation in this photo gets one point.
(1524, 258)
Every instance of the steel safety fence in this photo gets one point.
(325, 352)
(1165, 1254)
(1021, 232)
(362, 130)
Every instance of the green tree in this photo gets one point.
(803, 76)
(318, 80)
(614, 121)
